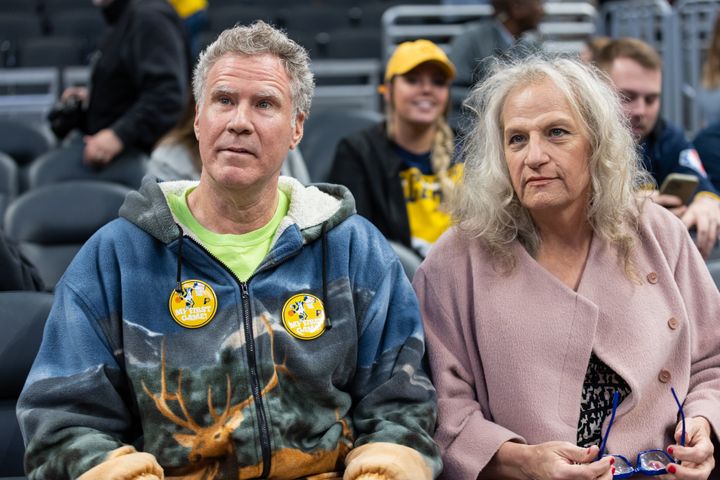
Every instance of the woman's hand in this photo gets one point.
(563, 460)
(548, 461)
(697, 454)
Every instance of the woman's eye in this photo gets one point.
(515, 139)
(557, 132)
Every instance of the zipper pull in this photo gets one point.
(244, 290)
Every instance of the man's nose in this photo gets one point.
(638, 107)
(240, 120)
(536, 152)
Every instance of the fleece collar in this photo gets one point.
(310, 207)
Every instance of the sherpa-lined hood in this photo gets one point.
(310, 207)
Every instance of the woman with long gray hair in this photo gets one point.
(563, 304)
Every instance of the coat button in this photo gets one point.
(673, 323)
(664, 376)
(652, 277)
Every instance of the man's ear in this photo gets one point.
(196, 125)
(298, 130)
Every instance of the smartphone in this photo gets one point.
(681, 185)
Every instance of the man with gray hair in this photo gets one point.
(242, 326)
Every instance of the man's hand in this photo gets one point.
(671, 202)
(102, 147)
(81, 93)
(697, 454)
(703, 214)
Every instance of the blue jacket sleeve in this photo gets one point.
(72, 410)
(393, 397)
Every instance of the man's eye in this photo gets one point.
(224, 101)
(264, 104)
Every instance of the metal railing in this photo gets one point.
(564, 27)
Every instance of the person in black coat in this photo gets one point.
(17, 271)
(139, 83)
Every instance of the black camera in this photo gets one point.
(66, 116)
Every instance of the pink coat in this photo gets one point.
(508, 354)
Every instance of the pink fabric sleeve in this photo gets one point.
(702, 301)
(468, 440)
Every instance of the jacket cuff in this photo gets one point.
(706, 409)
(385, 461)
(473, 448)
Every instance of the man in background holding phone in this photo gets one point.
(635, 69)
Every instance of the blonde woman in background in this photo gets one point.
(401, 172)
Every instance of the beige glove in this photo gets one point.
(385, 461)
(325, 476)
(125, 463)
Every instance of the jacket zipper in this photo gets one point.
(252, 363)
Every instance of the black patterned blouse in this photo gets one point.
(597, 399)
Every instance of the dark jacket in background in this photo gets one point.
(16, 271)
(707, 143)
(661, 154)
(140, 81)
(471, 50)
(367, 163)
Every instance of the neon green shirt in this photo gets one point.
(240, 253)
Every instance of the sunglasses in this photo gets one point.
(649, 462)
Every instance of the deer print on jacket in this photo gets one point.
(211, 446)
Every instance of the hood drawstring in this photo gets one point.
(323, 233)
(328, 322)
(178, 285)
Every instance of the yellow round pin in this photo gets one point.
(303, 315)
(195, 306)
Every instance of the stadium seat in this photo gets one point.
(51, 52)
(313, 19)
(8, 182)
(51, 223)
(24, 315)
(370, 15)
(408, 258)
(354, 43)
(66, 164)
(222, 18)
(85, 25)
(324, 130)
(54, 7)
(24, 141)
(14, 28)
(20, 6)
